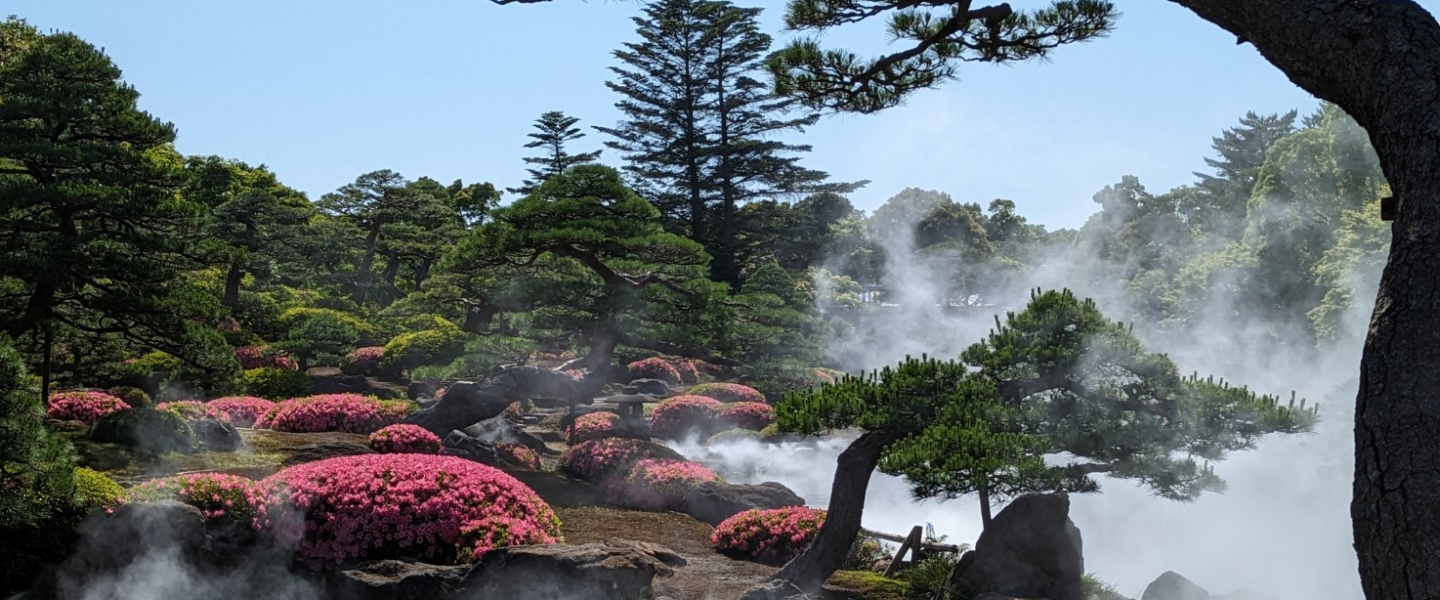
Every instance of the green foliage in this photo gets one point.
(94, 489)
(322, 336)
(1093, 588)
(870, 585)
(35, 464)
(553, 130)
(430, 347)
(480, 357)
(275, 383)
(147, 431)
(929, 575)
(133, 396)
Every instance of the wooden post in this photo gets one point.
(912, 543)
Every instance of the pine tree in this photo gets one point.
(554, 130)
(1219, 206)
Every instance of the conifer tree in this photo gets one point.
(1219, 206)
(554, 129)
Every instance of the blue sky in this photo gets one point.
(324, 90)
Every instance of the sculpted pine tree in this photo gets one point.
(1055, 379)
(554, 129)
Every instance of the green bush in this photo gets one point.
(929, 575)
(430, 347)
(479, 358)
(147, 431)
(1092, 588)
(37, 461)
(135, 397)
(94, 489)
(275, 383)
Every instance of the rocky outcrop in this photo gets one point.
(216, 436)
(1173, 586)
(458, 443)
(1030, 550)
(650, 387)
(713, 502)
(323, 450)
(599, 571)
(146, 431)
(419, 389)
(395, 580)
(330, 380)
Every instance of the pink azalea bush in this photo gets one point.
(363, 361)
(727, 392)
(747, 415)
(405, 438)
(654, 368)
(596, 460)
(436, 508)
(594, 426)
(685, 368)
(657, 484)
(350, 413)
(519, 455)
(241, 411)
(82, 406)
(186, 409)
(772, 536)
(676, 417)
(217, 495)
(260, 356)
(710, 369)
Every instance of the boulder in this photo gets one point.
(419, 389)
(147, 431)
(216, 436)
(404, 579)
(464, 403)
(59, 426)
(653, 387)
(596, 571)
(500, 429)
(713, 502)
(330, 380)
(458, 443)
(1173, 586)
(111, 543)
(1030, 550)
(322, 450)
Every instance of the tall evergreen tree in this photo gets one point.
(382, 208)
(1219, 206)
(554, 129)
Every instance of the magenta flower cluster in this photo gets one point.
(432, 507)
(186, 409)
(519, 455)
(241, 411)
(654, 368)
(594, 426)
(217, 495)
(676, 417)
(82, 406)
(772, 536)
(657, 484)
(596, 460)
(259, 356)
(350, 413)
(747, 415)
(364, 361)
(405, 438)
(727, 392)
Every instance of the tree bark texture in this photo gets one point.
(1379, 60)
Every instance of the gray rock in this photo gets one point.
(1173, 586)
(653, 387)
(323, 450)
(713, 502)
(1030, 550)
(396, 580)
(597, 571)
(458, 443)
(216, 436)
(419, 389)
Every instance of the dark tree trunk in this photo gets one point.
(842, 520)
(362, 281)
(45, 364)
(231, 299)
(1379, 60)
(422, 272)
(984, 507)
(392, 269)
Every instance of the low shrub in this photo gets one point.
(349, 413)
(732, 435)
(519, 455)
(363, 361)
(133, 396)
(596, 460)
(770, 536)
(654, 368)
(261, 356)
(727, 392)
(147, 431)
(82, 406)
(677, 417)
(864, 553)
(405, 438)
(275, 383)
(435, 508)
(685, 368)
(219, 497)
(406, 351)
(94, 489)
(185, 409)
(594, 426)
(657, 484)
(240, 411)
(754, 416)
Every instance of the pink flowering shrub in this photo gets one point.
(260, 356)
(771, 536)
(217, 495)
(241, 411)
(685, 368)
(393, 410)
(363, 361)
(594, 426)
(596, 460)
(654, 368)
(747, 415)
(727, 392)
(405, 438)
(436, 508)
(82, 406)
(676, 417)
(657, 484)
(350, 413)
(519, 455)
(710, 369)
(186, 409)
